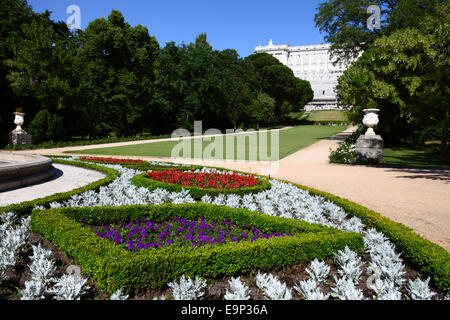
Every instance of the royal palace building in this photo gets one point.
(314, 64)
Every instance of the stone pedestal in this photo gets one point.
(369, 149)
(21, 138)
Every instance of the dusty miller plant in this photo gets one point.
(385, 290)
(318, 271)
(419, 290)
(310, 290)
(119, 295)
(346, 290)
(272, 288)
(42, 267)
(69, 287)
(239, 290)
(34, 290)
(188, 289)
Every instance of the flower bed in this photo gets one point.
(179, 232)
(203, 180)
(113, 268)
(111, 160)
(200, 184)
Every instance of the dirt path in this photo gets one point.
(418, 198)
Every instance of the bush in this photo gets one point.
(197, 193)
(429, 258)
(46, 126)
(345, 153)
(113, 267)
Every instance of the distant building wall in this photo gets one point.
(314, 64)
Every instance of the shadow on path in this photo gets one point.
(422, 173)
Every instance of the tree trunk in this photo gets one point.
(444, 146)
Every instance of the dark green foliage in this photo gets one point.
(142, 180)
(113, 268)
(403, 71)
(114, 79)
(46, 126)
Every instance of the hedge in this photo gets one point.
(429, 258)
(141, 180)
(25, 208)
(113, 267)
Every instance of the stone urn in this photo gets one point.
(19, 121)
(369, 147)
(18, 135)
(371, 120)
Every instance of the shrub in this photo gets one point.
(197, 193)
(113, 268)
(429, 258)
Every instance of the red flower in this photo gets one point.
(111, 160)
(204, 180)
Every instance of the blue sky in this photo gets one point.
(239, 25)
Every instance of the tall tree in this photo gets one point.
(405, 74)
(344, 22)
(40, 75)
(116, 65)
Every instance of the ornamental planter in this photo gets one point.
(369, 147)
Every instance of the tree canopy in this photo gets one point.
(115, 78)
(403, 71)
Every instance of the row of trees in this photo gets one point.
(404, 70)
(112, 77)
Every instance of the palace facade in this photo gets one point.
(312, 63)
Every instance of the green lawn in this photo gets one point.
(290, 141)
(407, 157)
(328, 115)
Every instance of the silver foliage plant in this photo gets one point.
(69, 287)
(119, 295)
(419, 290)
(310, 290)
(239, 290)
(34, 290)
(272, 288)
(12, 240)
(43, 279)
(345, 290)
(385, 290)
(283, 200)
(318, 271)
(188, 289)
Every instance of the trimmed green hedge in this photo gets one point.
(141, 180)
(113, 267)
(429, 258)
(25, 208)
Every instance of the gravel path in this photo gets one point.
(418, 198)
